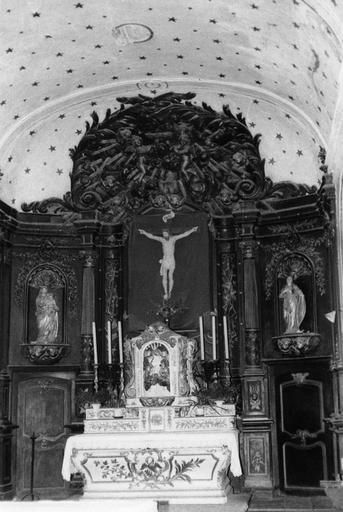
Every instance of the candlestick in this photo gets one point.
(94, 344)
(201, 329)
(214, 340)
(109, 342)
(120, 339)
(226, 339)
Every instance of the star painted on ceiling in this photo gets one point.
(217, 41)
(36, 14)
(254, 6)
(69, 70)
(59, 171)
(172, 19)
(180, 56)
(78, 5)
(22, 68)
(32, 132)
(114, 78)
(105, 62)
(219, 58)
(35, 84)
(61, 116)
(10, 158)
(142, 57)
(271, 161)
(256, 29)
(78, 132)
(27, 170)
(3, 102)
(299, 152)
(59, 54)
(98, 46)
(89, 27)
(52, 148)
(252, 124)
(177, 39)
(279, 136)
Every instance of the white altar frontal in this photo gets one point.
(164, 445)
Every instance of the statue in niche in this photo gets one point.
(168, 260)
(46, 317)
(294, 306)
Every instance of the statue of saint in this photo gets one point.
(168, 260)
(294, 305)
(47, 317)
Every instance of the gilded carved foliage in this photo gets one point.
(111, 288)
(229, 293)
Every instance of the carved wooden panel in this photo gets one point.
(43, 409)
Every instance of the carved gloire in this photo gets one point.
(165, 152)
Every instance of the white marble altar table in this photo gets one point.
(180, 467)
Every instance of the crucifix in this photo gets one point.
(167, 262)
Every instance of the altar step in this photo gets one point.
(265, 501)
(236, 503)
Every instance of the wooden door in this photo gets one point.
(302, 436)
(43, 409)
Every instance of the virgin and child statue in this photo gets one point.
(294, 306)
(46, 317)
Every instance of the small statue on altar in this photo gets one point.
(46, 316)
(294, 306)
(167, 262)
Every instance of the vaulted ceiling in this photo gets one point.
(275, 61)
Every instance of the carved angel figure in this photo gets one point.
(46, 316)
(294, 305)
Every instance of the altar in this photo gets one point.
(164, 444)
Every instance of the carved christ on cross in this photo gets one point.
(168, 259)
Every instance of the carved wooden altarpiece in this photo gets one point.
(167, 157)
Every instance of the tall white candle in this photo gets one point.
(226, 339)
(120, 340)
(214, 340)
(94, 343)
(201, 330)
(109, 342)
